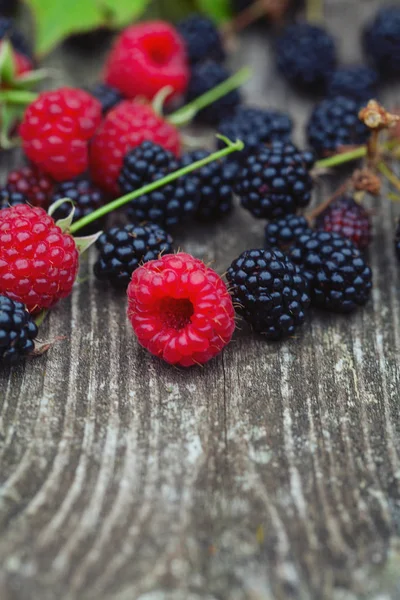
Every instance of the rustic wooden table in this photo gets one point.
(273, 472)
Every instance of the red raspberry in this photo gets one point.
(35, 185)
(125, 127)
(180, 309)
(146, 58)
(38, 262)
(349, 219)
(56, 129)
(22, 63)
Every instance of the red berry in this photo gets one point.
(146, 58)
(349, 219)
(125, 127)
(180, 309)
(38, 262)
(22, 63)
(56, 129)
(35, 185)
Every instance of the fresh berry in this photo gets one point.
(269, 291)
(382, 40)
(306, 56)
(38, 262)
(56, 129)
(124, 249)
(35, 185)
(86, 198)
(146, 58)
(274, 181)
(17, 331)
(202, 38)
(204, 77)
(106, 95)
(9, 197)
(357, 82)
(166, 206)
(397, 240)
(334, 124)
(284, 232)
(348, 218)
(180, 309)
(338, 276)
(8, 30)
(125, 127)
(215, 185)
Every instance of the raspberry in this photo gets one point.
(202, 39)
(358, 82)
(56, 129)
(270, 292)
(8, 30)
(382, 40)
(86, 198)
(166, 206)
(306, 56)
(17, 331)
(123, 249)
(274, 181)
(146, 58)
(38, 262)
(9, 198)
(106, 95)
(204, 77)
(125, 127)
(284, 232)
(334, 124)
(35, 185)
(339, 278)
(397, 240)
(349, 219)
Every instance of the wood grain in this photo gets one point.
(271, 473)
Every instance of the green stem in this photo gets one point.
(17, 97)
(115, 204)
(390, 176)
(344, 157)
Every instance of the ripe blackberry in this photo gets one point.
(215, 185)
(9, 30)
(17, 331)
(106, 95)
(124, 249)
(397, 240)
(9, 197)
(269, 291)
(166, 206)
(382, 40)
(348, 218)
(282, 233)
(274, 181)
(339, 278)
(86, 198)
(306, 56)
(202, 39)
(203, 78)
(32, 183)
(334, 124)
(357, 82)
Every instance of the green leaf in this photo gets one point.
(123, 12)
(219, 10)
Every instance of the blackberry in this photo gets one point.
(357, 82)
(166, 206)
(32, 183)
(348, 218)
(106, 95)
(9, 30)
(382, 40)
(9, 197)
(124, 249)
(85, 196)
(204, 77)
(269, 291)
(17, 331)
(306, 56)
(397, 240)
(202, 39)
(338, 276)
(274, 181)
(334, 123)
(282, 233)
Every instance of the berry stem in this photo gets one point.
(321, 207)
(388, 173)
(245, 18)
(344, 157)
(115, 204)
(17, 97)
(41, 317)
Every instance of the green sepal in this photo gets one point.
(29, 80)
(9, 115)
(64, 224)
(7, 63)
(83, 243)
(160, 98)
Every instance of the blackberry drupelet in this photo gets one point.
(166, 206)
(334, 123)
(274, 181)
(306, 56)
(338, 276)
(106, 95)
(10, 197)
(9, 30)
(202, 39)
(17, 331)
(397, 240)
(348, 218)
(382, 40)
(284, 232)
(204, 77)
(86, 198)
(269, 292)
(357, 82)
(124, 249)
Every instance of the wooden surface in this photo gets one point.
(271, 473)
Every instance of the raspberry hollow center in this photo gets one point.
(176, 312)
(159, 53)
